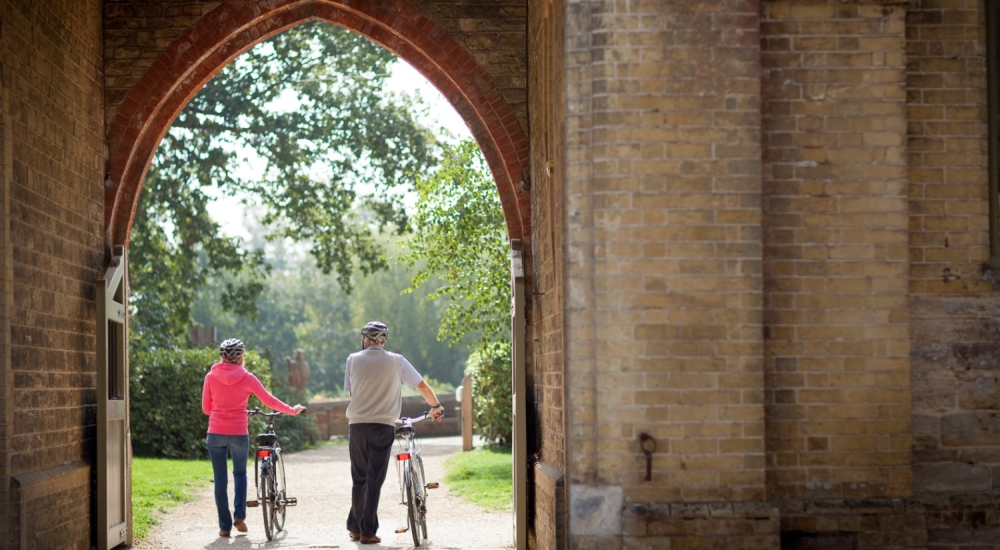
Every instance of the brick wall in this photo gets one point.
(548, 172)
(6, 301)
(137, 32)
(51, 60)
(663, 287)
(835, 254)
(947, 148)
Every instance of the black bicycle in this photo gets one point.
(269, 477)
(412, 483)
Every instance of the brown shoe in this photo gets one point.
(240, 526)
(353, 535)
(370, 540)
(224, 534)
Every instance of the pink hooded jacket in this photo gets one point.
(224, 399)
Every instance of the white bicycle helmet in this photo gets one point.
(376, 331)
(231, 350)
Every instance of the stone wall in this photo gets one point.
(52, 173)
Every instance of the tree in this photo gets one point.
(460, 236)
(310, 106)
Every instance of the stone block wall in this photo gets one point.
(52, 181)
(853, 524)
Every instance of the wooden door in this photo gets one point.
(114, 513)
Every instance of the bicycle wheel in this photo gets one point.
(421, 491)
(266, 500)
(280, 492)
(411, 513)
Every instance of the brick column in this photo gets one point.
(664, 290)
(835, 250)
(6, 299)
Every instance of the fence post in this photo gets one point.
(467, 413)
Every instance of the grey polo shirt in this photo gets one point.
(373, 377)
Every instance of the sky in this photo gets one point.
(230, 212)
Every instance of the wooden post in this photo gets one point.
(467, 413)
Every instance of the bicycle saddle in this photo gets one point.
(266, 440)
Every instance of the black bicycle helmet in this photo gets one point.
(231, 350)
(377, 331)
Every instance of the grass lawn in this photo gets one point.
(482, 476)
(159, 483)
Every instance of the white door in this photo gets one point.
(114, 513)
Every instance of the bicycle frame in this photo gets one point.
(406, 457)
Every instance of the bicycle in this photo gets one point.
(412, 488)
(269, 477)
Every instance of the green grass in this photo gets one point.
(482, 476)
(159, 483)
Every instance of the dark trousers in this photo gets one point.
(371, 447)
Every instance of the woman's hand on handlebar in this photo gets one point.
(299, 408)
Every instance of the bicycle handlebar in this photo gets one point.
(427, 415)
(257, 412)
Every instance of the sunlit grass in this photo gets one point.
(160, 483)
(482, 476)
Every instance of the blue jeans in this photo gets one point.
(218, 447)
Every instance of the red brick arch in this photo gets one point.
(237, 25)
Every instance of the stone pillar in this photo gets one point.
(664, 288)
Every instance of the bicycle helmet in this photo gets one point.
(231, 350)
(376, 331)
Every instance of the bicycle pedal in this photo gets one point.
(291, 501)
(403, 530)
(432, 485)
(252, 504)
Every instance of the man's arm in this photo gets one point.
(437, 411)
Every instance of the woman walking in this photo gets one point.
(224, 399)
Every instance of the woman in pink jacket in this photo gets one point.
(224, 399)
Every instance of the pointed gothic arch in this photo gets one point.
(237, 25)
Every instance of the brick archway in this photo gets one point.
(237, 25)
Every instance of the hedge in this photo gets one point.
(492, 392)
(166, 417)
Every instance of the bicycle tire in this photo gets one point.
(280, 493)
(266, 494)
(422, 491)
(411, 512)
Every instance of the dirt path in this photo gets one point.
(321, 479)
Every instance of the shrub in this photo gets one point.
(492, 393)
(165, 387)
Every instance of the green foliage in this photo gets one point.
(491, 392)
(160, 483)
(301, 308)
(310, 107)
(459, 234)
(166, 388)
(483, 476)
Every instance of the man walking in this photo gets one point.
(373, 378)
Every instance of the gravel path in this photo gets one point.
(321, 479)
